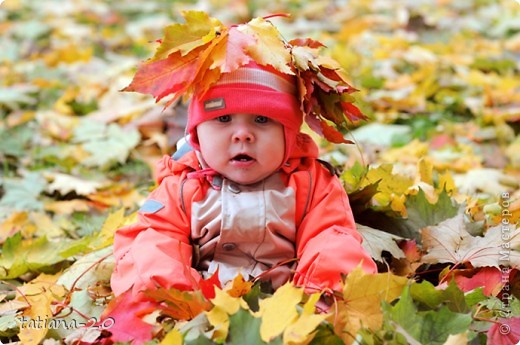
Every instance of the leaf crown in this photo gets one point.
(192, 57)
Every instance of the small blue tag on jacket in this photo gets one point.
(151, 206)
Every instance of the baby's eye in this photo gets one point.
(261, 119)
(224, 118)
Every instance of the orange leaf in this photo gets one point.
(169, 76)
(180, 305)
(240, 287)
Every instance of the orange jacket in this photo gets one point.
(188, 227)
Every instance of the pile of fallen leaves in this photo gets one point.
(433, 178)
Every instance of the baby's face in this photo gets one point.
(244, 148)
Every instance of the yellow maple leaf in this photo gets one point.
(389, 185)
(269, 48)
(363, 294)
(113, 222)
(226, 302)
(301, 332)
(174, 337)
(218, 317)
(12, 224)
(198, 30)
(279, 311)
(40, 293)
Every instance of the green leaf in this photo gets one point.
(35, 255)
(427, 327)
(23, 194)
(455, 299)
(8, 325)
(425, 293)
(326, 336)
(432, 297)
(422, 213)
(474, 297)
(106, 144)
(201, 340)
(400, 313)
(244, 328)
(436, 326)
(13, 141)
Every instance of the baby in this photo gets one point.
(251, 198)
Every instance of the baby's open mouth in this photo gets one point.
(242, 158)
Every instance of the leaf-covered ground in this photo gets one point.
(433, 179)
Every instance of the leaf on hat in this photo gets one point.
(192, 56)
(165, 77)
(198, 30)
(232, 54)
(270, 49)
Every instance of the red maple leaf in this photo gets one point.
(127, 314)
(207, 286)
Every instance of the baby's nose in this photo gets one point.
(243, 134)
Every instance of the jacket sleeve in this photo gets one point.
(155, 251)
(327, 243)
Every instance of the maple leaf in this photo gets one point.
(425, 327)
(504, 332)
(129, 325)
(302, 330)
(232, 54)
(279, 311)
(488, 278)
(167, 76)
(20, 256)
(332, 134)
(180, 305)
(23, 194)
(363, 294)
(40, 293)
(198, 30)
(450, 242)
(105, 144)
(269, 48)
(64, 184)
(79, 279)
(239, 287)
(376, 242)
(224, 306)
(208, 286)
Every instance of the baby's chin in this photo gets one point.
(244, 179)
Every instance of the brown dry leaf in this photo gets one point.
(450, 242)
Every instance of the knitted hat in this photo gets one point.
(251, 89)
